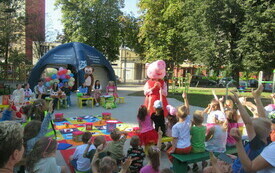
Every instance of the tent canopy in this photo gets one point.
(76, 56)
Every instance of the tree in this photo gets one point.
(12, 22)
(93, 22)
(258, 36)
(130, 28)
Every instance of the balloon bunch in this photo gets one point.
(59, 76)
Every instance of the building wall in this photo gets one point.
(42, 47)
(129, 67)
(35, 24)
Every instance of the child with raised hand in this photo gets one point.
(136, 153)
(154, 157)
(42, 157)
(35, 130)
(232, 119)
(216, 137)
(258, 131)
(148, 136)
(115, 147)
(107, 164)
(197, 133)
(263, 163)
(77, 160)
(97, 141)
(215, 115)
(181, 131)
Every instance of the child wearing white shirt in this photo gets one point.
(77, 160)
(181, 131)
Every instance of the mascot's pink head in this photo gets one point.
(156, 70)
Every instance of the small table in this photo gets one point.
(81, 99)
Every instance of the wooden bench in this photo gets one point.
(180, 161)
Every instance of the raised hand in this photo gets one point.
(242, 100)
(257, 93)
(221, 99)
(90, 141)
(125, 165)
(100, 148)
(184, 95)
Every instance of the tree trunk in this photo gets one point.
(236, 76)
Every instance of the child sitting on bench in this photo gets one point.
(197, 133)
(181, 131)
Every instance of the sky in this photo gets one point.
(53, 17)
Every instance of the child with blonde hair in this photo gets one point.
(232, 119)
(181, 131)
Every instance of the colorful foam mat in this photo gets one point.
(64, 129)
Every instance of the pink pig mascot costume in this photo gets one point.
(156, 72)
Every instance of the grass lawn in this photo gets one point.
(202, 96)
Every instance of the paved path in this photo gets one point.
(125, 112)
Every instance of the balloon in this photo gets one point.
(56, 80)
(51, 82)
(47, 84)
(63, 76)
(72, 75)
(60, 68)
(60, 85)
(65, 71)
(68, 76)
(69, 72)
(71, 84)
(48, 79)
(54, 71)
(65, 80)
(72, 79)
(54, 76)
(59, 73)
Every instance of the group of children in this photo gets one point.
(188, 133)
(111, 90)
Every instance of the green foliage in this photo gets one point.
(11, 23)
(160, 30)
(234, 34)
(130, 27)
(258, 35)
(94, 22)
